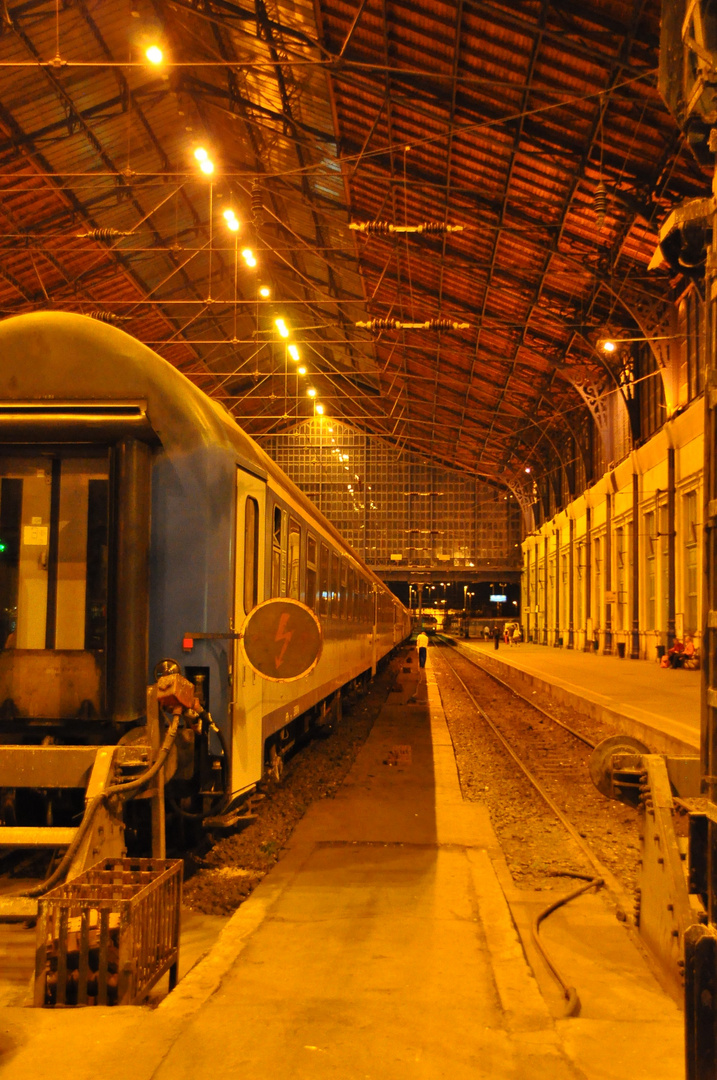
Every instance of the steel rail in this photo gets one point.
(538, 708)
(611, 882)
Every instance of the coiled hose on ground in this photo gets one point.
(572, 1001)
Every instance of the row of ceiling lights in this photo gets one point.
(233, 224)
(155, 55)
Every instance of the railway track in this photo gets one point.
(553, 758)
(533, 705)
(549, 766)
(504, 730)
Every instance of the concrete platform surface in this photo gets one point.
(659, 705)
(380, 947)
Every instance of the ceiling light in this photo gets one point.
(207, 167)
(231, 220)
(609, 346)
(281, 327)
(248, 257)
(311, 392)
(302, 371)
(320, 410)
(294, 353)
(264, 292)
(201, 154)
(154, 54)
(527, 468)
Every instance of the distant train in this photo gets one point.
(135, 517)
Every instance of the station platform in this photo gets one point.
(382, 946)
(661, 706)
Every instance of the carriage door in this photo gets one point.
(247, 732)
(53, 583)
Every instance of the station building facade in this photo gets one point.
(618, 568)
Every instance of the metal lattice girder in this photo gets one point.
(501, 120)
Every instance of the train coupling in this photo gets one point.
(175, 692)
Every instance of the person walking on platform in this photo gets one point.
(422, 643)
(496, 636)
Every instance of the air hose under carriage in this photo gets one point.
(129, 789)
(226, 798)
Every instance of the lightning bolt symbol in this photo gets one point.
(282, 634)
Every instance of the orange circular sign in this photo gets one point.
(282, 639)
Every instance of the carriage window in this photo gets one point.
(334, 584)
(53, 552)
(251, 550)
(350, 607)
(276, 553)
(97, 551)
(324, 581)
(344, 588)
(311, 572)
(294, 549)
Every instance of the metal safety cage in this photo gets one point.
(109, 935)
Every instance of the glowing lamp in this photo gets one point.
(294, 353)
(154, 54)
(281, 327)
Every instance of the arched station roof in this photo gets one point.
(536, 126)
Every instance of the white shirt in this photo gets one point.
(422, 641)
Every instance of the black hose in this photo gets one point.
(142, 780)
(90, 811)
(63, 865)
(225, 799)
(572, 1006)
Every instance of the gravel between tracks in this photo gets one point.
(219, 882)
(538, 850)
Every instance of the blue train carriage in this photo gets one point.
(135, 516)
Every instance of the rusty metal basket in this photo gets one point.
(107, 936)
